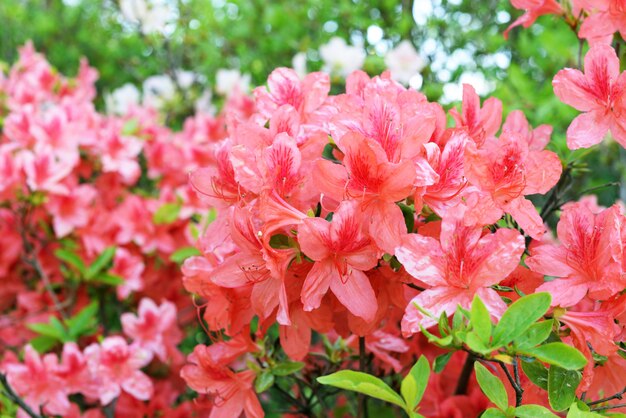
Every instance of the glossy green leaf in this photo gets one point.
(363, 383)
(287, 367)
(536, 372)
(481, 320)
(491, 386)
(519, 317)
(533, 411)
(101, 263)
(559, 354)
(414, 384)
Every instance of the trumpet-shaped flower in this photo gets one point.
(588, 259)
(600, 93)
(462, 263)
(341, 251)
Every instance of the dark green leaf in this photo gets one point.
(71, 258)
(264, 381)
(536, 372)
(102, 262)
(562, 386)
(288, 367)
(441, 361)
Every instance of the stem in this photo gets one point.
(514, 381)
(618, 395)
(362, 399)
(8, 391)
(466, 373)
(606, 408)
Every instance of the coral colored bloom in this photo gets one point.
(507, 170)
(480, 123)
(208, 373)
(460, 264)
(532, 10)
(374, 183)
(600, 93)
(341, 252)
(609, 17)
(588, 260)
(154, 328)
(117, 367)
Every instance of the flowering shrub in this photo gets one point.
(338, 247)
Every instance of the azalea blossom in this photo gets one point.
(117, 366)
(462, 263)
(588, 260)
(599, 93)
(532, 10)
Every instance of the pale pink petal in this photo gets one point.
(526, 216)
(565, 292)
(317, 283)
(588, 129)
(422, 258)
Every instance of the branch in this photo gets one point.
(618, 395)
(606, 408)
(519, 391)
(362, 399)
(10, 393)
(466, 373)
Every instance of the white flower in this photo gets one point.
(151, 15)
(204, 104)
(157, 90)
(404, 62)
(298, 63)
(340, 58)
(185, 79)
(120, 100)
(226, 81)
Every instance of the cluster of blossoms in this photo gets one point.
(95, 208)
(371, 221)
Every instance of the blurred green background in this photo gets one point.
(461, 41)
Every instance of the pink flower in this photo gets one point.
(38, 384)
(532, 10)
(117, 367)
(462, 263)
(480, 123)
(342, 252)
(130, 268)
(589, 259)
(75, 372)
(70, 210)
(154, 328)
(374, 183)
(599, 93)
(609, 17)
(506, 170)
(209, 373)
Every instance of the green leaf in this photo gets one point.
(71, 258)
(130, 127)
(493, 413)
(46, 330)
(414, 383)
(491, 386)
(519, 317)
(43, 343)
(184, 253)
(576, 412)
(263, 381)
(536, 372)
(83, 322)
(363, 383)
(476, 344)
(562, 386)
(535, 335)
(109, 279)
(533, 411)
(286, 368)
(100, 263)
(166, 214)
(441, 361)
(481, 320)
(559, 354)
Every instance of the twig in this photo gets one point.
(519, 391)
(362, 399)
(10, 393)
(466, 373)
(606, 408)
(618, 395)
